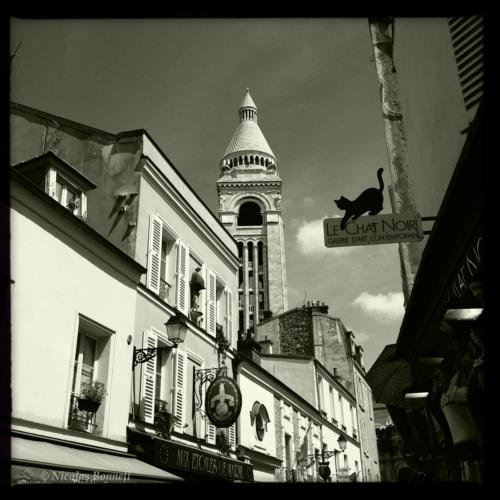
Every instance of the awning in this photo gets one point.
(33, 459)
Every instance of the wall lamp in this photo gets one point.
(177, 327)
(323, 465)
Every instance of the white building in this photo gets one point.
(65, 334)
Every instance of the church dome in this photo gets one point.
(248, 138)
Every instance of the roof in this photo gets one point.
(248, 137)
(248, 101)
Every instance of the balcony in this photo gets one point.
(251, 308)
(80, 420)
(250, 266)
(164, 292)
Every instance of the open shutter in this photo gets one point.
(232, 436)
(210, 432)
(229, 316)
(180, 377)
(50, 182)
(182, 291)
(150, 340)
(211, 303)
(83, 203)
(154, 252)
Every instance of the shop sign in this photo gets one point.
(223, 402)
(373, 230)
(169, 455)
(343, 474)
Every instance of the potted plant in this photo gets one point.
(91, 396)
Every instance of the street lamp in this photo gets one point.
(324, 466)
(177, 327)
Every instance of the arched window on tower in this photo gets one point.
(249, 214)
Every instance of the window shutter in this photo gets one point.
(154, 252)
(229, 316)
(179, 389)
(232, 436)
(150, 340)
(211, 303)
(210, 432)
(83, 202)
(50, 182)
(182, 278)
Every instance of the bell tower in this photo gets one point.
(249, 190)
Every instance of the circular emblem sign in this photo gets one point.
(223, 402)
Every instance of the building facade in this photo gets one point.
(249, 190)
(70, 346)
(122, 187)
(315, 354)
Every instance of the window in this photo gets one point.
(260, 418)
(168, 265)
(249, 214)
(219, 304)
(320, 394)
(90, 367)
(341, 412)
(66, 193)
(332, 402)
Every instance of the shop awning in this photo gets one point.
(104, 467)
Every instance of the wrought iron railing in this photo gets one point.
(164, 292)
(80, 420)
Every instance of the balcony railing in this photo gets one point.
(164, 292)
(250, 266)
(261, 269)
(251, 308)
(80, 420)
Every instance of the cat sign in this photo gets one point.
(372, 230)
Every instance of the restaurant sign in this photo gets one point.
(169, 455)
(373, 230)
(223, 402)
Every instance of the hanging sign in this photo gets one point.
(223, 402)
(373, 230)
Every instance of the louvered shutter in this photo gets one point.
(148, 385)
(229, 316)
(154, 252)
(180, 377)
(50, 182)
(182, 292)
(211, 303)
(83, 202)
(210, 432)
(232, 436)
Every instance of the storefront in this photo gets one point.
(190, 462)
(435, 393)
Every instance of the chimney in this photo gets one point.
(266, 345)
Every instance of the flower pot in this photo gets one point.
(88, 405)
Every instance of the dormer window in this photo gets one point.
(60, 181)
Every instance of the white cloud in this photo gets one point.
(311, 240)
(389, 307)
(308, 201)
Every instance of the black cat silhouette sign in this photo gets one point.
(354, 229)
(371, 200)
(223, 402)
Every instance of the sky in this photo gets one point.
(315, 86)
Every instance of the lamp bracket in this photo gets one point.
(143, 355)
(201, 378)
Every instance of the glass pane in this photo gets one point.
(70, 196)
(88, 351)
(58, 191)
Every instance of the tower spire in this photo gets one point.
(248, 109)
